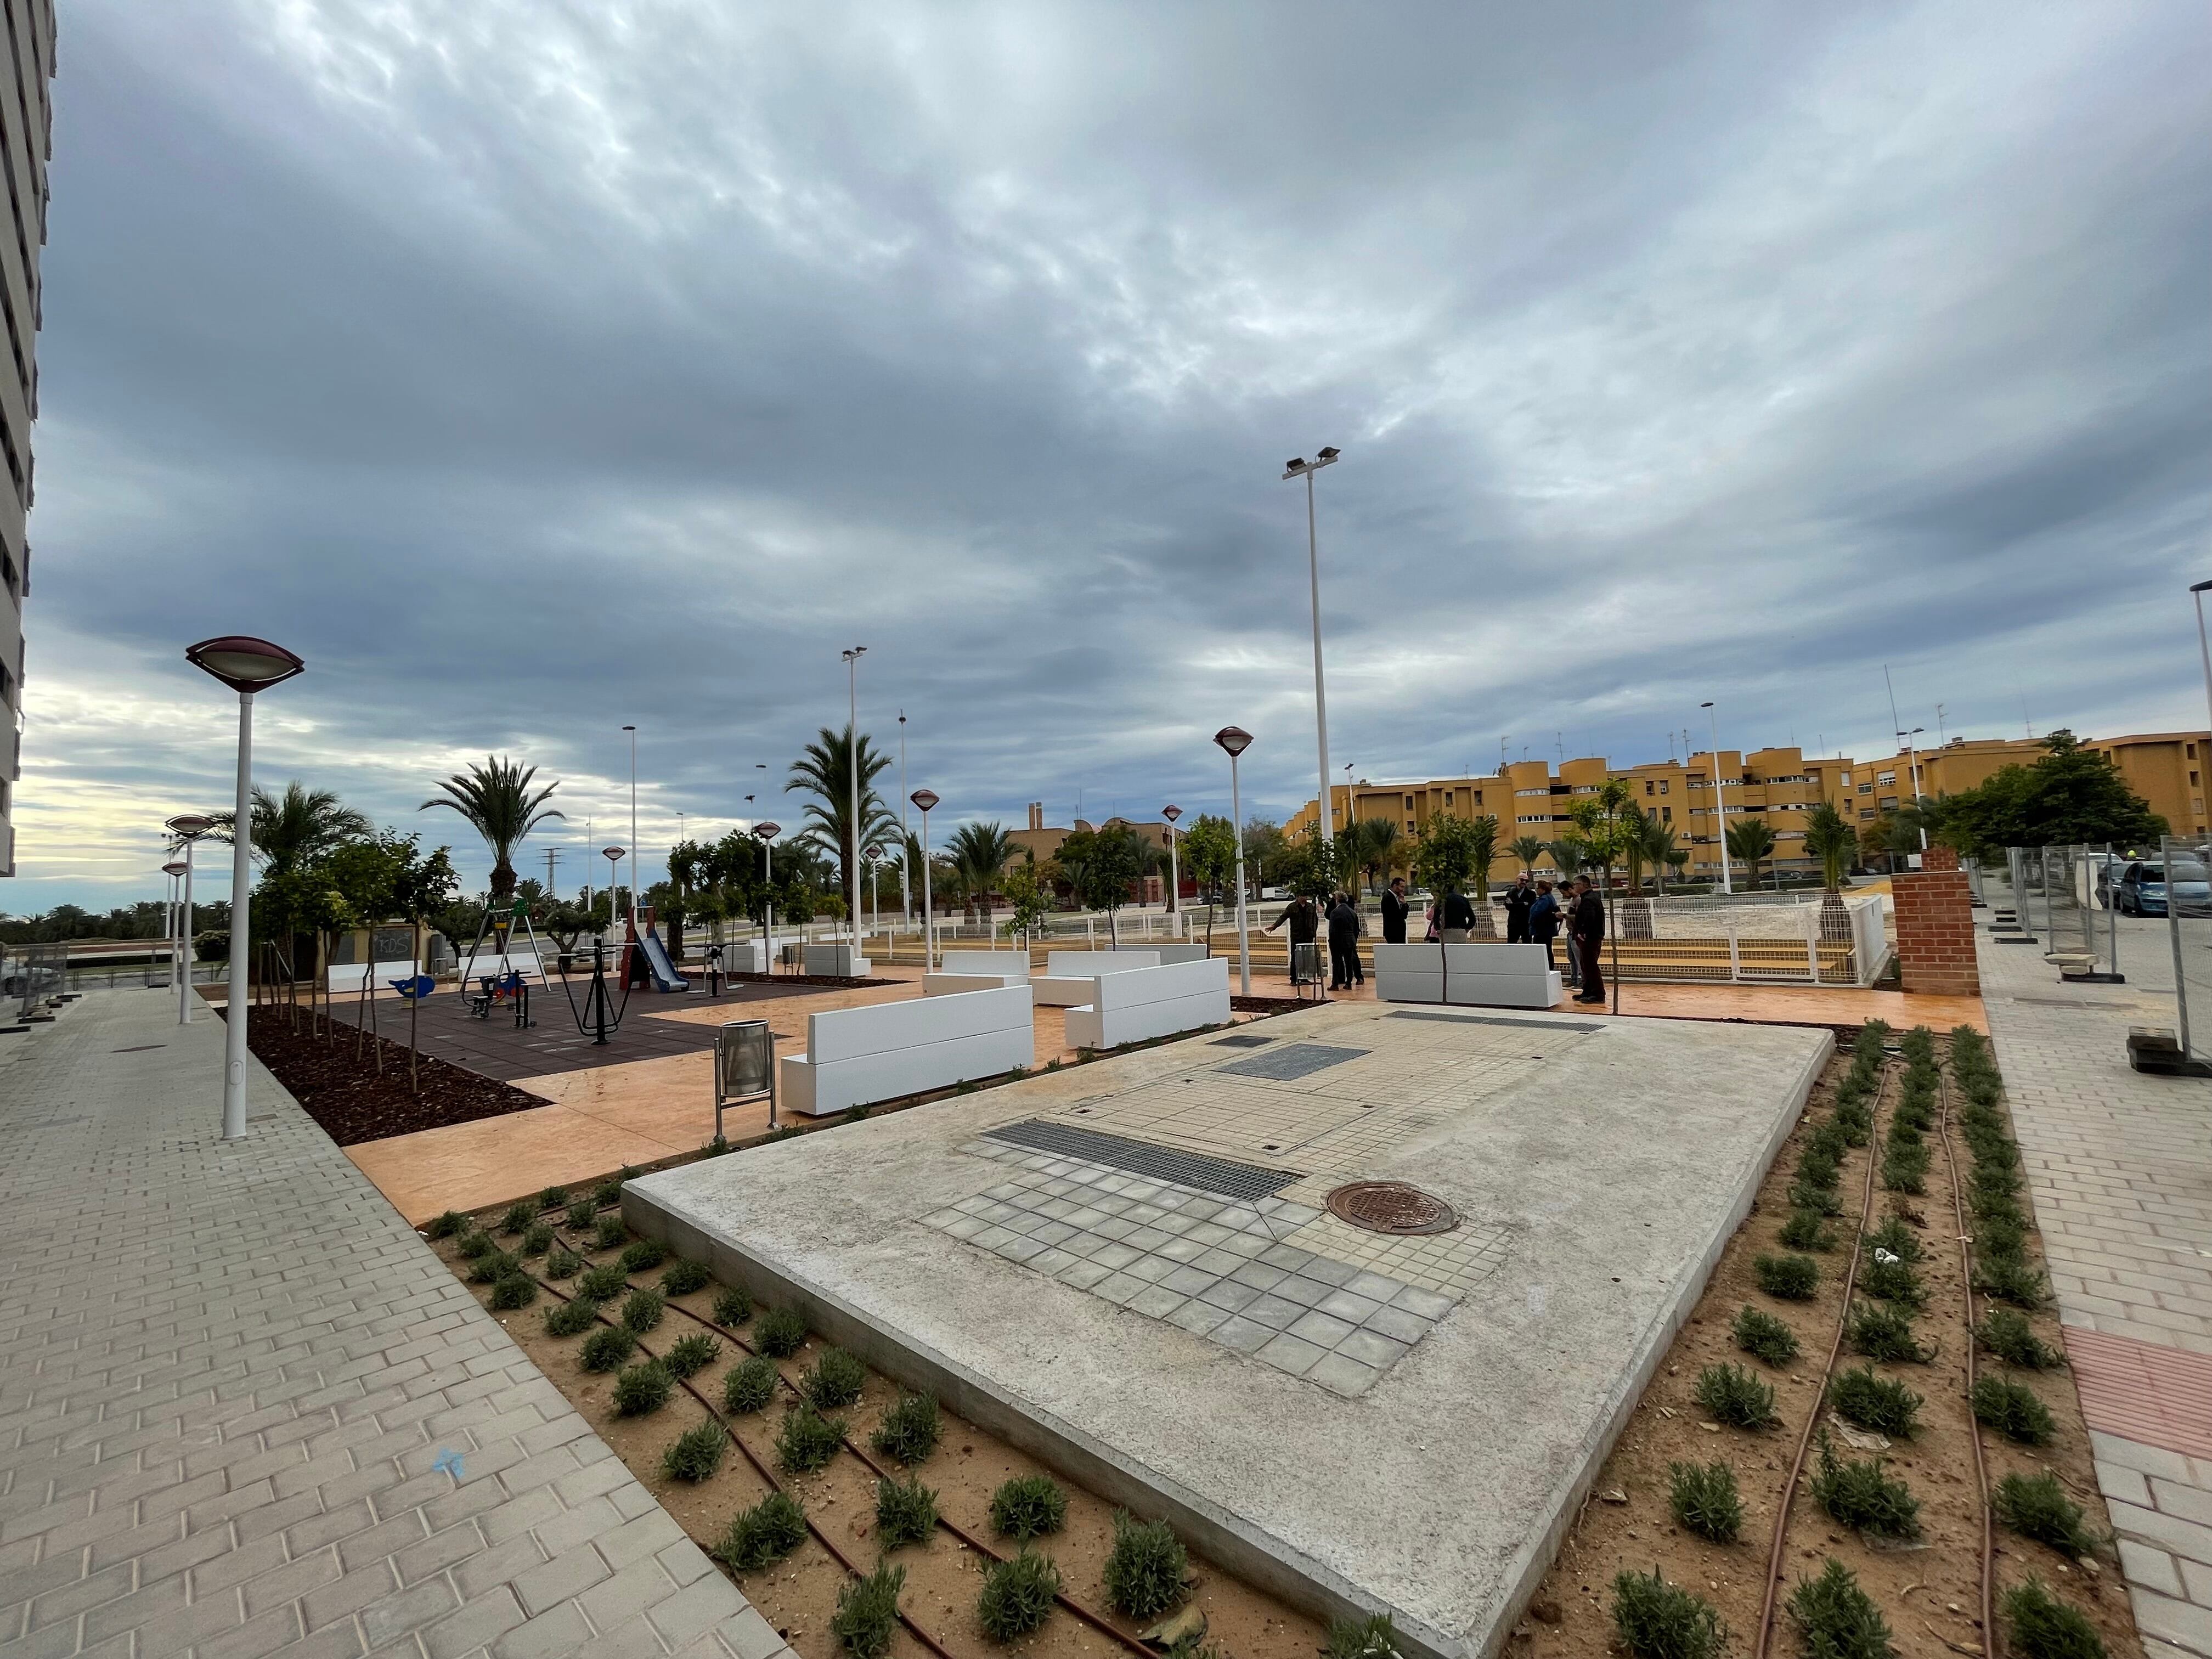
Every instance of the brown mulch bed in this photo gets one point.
(1269, 1005)
(342, 1091)
(829, 981)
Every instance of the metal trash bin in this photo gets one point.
(745, 1066)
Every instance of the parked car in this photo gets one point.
(2143, 888)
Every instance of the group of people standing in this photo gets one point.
(1534, 915)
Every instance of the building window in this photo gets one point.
(1409, 802)
(1478, 798)
(1866, 812)
(1866, 789)
(1888, 803)
(1666, 815)
(2192, 779)
(1662, 786)
(1409, 824)
(2192, 751)
(1447, 798)
(1885, 777)
(1648, 790)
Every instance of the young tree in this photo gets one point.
(1100, 864)
(824, 776)
(1209, 852)
(2072, 795)
(1031, 898)
(1752, 841)
(1528, 849)
(294, 828)
(1830, 838)
(422, 885)
(498, 803)
(979, 852)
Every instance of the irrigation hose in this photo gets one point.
(1775, 1554)
(1973, 1423)
(1097, 1620)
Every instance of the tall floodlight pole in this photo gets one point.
(1912, 771)
(187, 828)
(246, 665)
(1234, 741)
(853, 756)
(2203, 650)
(906, 857)
(634, 878)
(174, 870)
(1719, 808)
(1175, 876)
(765, 833)
(923, 801)
(1299, 467)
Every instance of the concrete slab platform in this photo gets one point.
(1130, 1269)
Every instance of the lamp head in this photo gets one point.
(244, 663)
(172, 868)
(925, 799)
(1705, 705)
(2200, 588)
(854, 654)
(767, 831)
(1172, 813)
(189, 825)
(1295, 465)
(1327, 456)
(611, 852)
(1234, 739)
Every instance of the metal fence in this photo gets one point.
(34, 977)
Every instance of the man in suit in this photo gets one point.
(1394, 912)
(1518, 897)
(1586, 932)
(1344, 970)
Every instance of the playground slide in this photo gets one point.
(664, 976)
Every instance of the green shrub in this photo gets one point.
(689, 1355)
(768, 1532)
(1866, 1399)
(1018, 1595)
(782, 1332)
(2008, 1334)
(2009, 1278)
(1884, 1333)
(1144, 1572)
(642, 1311)
(733, 1305)
(537, 1238)
(1787, 1278)
(1028, 1506)
(643, 1256)
(2012, 1409)
(492, 1266)
(581, 1213)
(1807, 1230)
(2038, 1507)
(1896, 1235)
(1905, 1169)
(562, 1264)
(686, 1277)
(1853, 1120)
(807, 1439)
(1837, 1619)
(1821, 1200)
(1827, 1140)
(474, 1244)
(1372, 1638)
(1736, 1396)
(571, 1318)
(835, 1380)
(607, 1193)
(1817, 1167)
(1659, 1620)
(1764, 1337)
(513, 1290)
(603, 1284)
(906, 1512)
(553, 1198)
(1861, 1497)
(867, 1612)
(908, 1430)
(1892, 1281)
(2045, 1627)
(606, 1348)
(643, 1389)
(608, 1231)
(445, 1225)
(696, 1453)
(2001, 1235)
(748, 1386)
(518, 1216)
(1704, 1499)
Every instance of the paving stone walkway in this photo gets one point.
(245, 1411)
(2120, 1166)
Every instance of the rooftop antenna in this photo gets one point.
(1895, 723)
(1560, 743)
(1939, 725)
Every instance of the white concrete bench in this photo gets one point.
(1151, 1002)
(525, 962)
(1173, 953)
(347, 975)
(835, 962)
(857, 1056)
(1068, 978)
(976, 970)
(1479, 975)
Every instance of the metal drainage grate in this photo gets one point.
(1287, 1065)
(1261, 1043)
(1391, 1206)
(1210, 1175)
(1496, 1019)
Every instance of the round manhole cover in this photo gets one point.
(1391, 1206)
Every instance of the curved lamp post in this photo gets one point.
(923, 801)
(852, 657)
(187, 828)
(1299, 467)
(765, 833)
(1171, 812)
(1719, 808)
(175, 869)
(246, 665)
(1234, 741)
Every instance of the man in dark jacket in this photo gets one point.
(1456, 915)
(1586, 926)
(1304, 919)
(1394, 912)
(1544, 920)
(1518, 897)
(1343, 944)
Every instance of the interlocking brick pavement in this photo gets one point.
(2120, 1168)
(245, 1411)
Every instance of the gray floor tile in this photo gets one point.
(972, 1205)
(1377, 1287)
(1236, 1217)
(1197, 1317)
(1219, 1262)
(1298, 1215)
(1190, 1281)
(1206, 1233)
(1174, 1224)
(1019, 1249)
(1151, 1268)
(1149, 1238)
(1273, 1311)
(1329, 1271)
(1059, 1208)
(1291, 1354)
(1228, 1295)
(1054, 1232)
(1347, 1306)
(1371, 1348)
(1112, 1203)
(1114, 1255)
(1086, 1217)
(1182, 1249)
(966, 1227)
(1286, 1256)
(1321, 1329)
(1202, 1209)
(1119, 1287)
(1341, 1375)
(991, 1237)
(1144, 1214)
(1258, 1277)
(1398, 1323)
(1142, 1191)
(1115, 1226)
(1298, 1288)
(1158, 1302)
(1427, 1304)
(1243, 1244)
(1082, 1275)
(1050, 1262)
(1083, 1244)
(1241, 1334)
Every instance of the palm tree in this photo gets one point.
(300, 826)
(825, 773)
(1482, 849)
(1528, 849)
(979, 852)
(1751, 841)
(499, 803)
(1830, 837)
(1570, 853)
(1371, 846)
(1660, 849)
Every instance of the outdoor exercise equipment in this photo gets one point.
(714, 970)
(745, 1066)
(599, 1017)
(493, 989)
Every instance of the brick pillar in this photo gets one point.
(1936, 927)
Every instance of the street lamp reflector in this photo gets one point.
(173, 868)
(244, 663)
(924, 798)
(610, 852)
(1172, 813)
(1328, 455)
(190, 825)
(1235, 740)
(767, 831)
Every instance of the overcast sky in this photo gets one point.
(533, 369)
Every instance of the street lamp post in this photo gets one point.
(632, 730)
(174, 871)
(853, 656)
(923, 801)
(765, 833)
(187, 828)
(1299, 467)
(1234, 741)
(246, 665)
(2197, 591)
(613, 854)
(1912, 771)
(906, 859)
(1175, 876)
(1719, 808)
